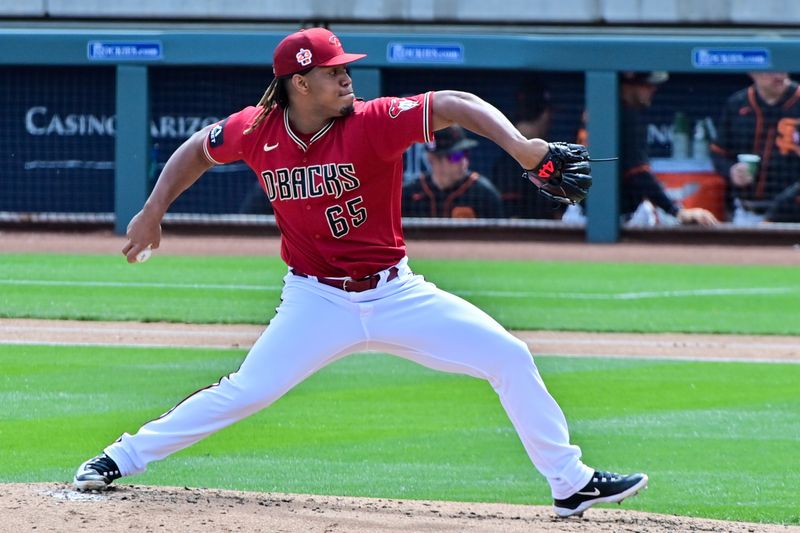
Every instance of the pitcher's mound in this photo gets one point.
(57, 507)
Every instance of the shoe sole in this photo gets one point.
(563, 512)
(87, 485)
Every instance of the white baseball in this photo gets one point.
(145, 254)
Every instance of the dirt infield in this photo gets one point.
(56, 507)
(563, 343)
(105, 242)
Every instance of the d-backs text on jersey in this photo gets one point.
(332, 179)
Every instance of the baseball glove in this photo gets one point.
(564, 173)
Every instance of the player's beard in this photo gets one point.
(347, 110)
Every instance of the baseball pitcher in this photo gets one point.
(331, 166)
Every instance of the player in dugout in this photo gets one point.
(331, 165)
(643, 199)
(451, 189)
(761, 122)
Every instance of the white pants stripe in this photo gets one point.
(409, 317)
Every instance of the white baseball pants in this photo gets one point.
(406, 316)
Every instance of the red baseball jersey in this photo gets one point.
(336, 194)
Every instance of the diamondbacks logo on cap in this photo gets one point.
(334, 40)
(399, 105)
(304, 57)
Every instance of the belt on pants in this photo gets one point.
(352, 285)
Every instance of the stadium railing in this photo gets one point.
(92, 115)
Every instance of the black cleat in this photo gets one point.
(96, 474)
(604, 487)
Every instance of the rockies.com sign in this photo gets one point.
(115, 51)
(425, 53)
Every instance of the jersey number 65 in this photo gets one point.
(341, 222)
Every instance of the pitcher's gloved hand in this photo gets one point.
(564, 173)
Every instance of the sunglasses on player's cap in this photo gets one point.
(450, 140)
(312, 47)
(655, 77)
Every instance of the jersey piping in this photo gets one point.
(429, 193)
(472, 177)
(751, 97)
(297, 139)
(792, 100)
(762, 175)
(453, 196)
(207, 154)
(426, 107)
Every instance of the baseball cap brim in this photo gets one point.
(460, 146)
(342, 59)
(656, 77)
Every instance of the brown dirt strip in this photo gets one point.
(662, 345)
(105, 242)
(56, 507)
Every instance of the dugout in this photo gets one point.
(92, 114)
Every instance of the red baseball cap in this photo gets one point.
(313, 47)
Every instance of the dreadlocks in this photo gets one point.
(266, 104)
(276, 94)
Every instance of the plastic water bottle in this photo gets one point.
(700, 141)
(680, 136)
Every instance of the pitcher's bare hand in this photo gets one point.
(144, 230)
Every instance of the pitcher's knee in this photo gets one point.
(513, 359)
(517, 352)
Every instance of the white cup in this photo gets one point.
(752, 161)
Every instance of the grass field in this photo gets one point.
(719, 440)
(521, 295)
(379, 426)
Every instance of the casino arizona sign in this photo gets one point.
(40, 121)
